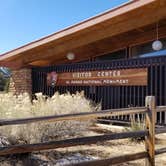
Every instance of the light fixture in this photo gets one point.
(70, 56)
(157, 44)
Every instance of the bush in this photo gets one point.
(4, 83)
(21, 106)
(137, 124)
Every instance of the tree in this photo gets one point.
(4, 83)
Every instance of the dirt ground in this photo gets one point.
(101, 150)
(118, 147)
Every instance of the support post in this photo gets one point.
(150, 126)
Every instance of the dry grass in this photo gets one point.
(137, 124)
(21, 107)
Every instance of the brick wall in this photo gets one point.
(21, 81)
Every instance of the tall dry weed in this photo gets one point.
(21, 106)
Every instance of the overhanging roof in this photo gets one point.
(132, 15)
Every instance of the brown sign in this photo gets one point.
(121, 77)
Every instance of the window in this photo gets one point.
(121, 54)
(145, 50)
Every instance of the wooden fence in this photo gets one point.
(149, 133)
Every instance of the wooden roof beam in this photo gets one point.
(109, 31)
(108, 45)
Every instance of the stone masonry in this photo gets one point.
(21, 81)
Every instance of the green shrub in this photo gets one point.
(4, 83)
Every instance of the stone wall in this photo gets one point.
(21, 81)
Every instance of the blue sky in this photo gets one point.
(23, 21)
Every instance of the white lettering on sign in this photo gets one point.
(120, 77)
(121, 81)
(82, 75)
(114, 73)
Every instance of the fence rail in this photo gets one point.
(125, 120)
(69, 142)
(149, 133)
(77, 116)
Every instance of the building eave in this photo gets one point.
(84, 25)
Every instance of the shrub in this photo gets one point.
(4, 83)
(137, 124)
(21, 106)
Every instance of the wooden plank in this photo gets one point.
(111, 29)
(160, 130)
(150, 125)
(108, 45)
(120, 77)
(119, 159)
(15, 149)
(113, 160)
(161, 108)
(78, 116)
(99, 34)
(160, 151)
(112, 121)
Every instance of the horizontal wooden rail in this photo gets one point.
(160, 151)
(113, 160)
(77, 116)
(160, 130)
(112, 121)
(119, 159)
(161, 108)
(15, 149)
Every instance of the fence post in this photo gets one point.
(150, 126)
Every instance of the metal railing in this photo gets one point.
(112, 97)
